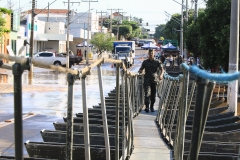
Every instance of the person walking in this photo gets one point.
(151, 76)
(162, 58)
(198, 62)
(171, 60)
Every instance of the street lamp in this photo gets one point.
(181, 28)
(181, 32)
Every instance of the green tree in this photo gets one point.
(173, 23)
(103, 42)
(3, 30)
(128, 29)
(158, 31)
(214, 30)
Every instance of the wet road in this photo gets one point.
(48, 94)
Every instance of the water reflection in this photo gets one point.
(54, 102)
(3, 78)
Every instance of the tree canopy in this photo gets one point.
(103, 42)
(211, 33)
(207, 36)
(3, 30)
(128, 29)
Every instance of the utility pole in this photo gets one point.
(67, 27)
(233, 56)
(118, 25)
(101, 18)
(181, 34)
(196, 10)
(122, 14)
(69, 137)
(110, 30)
(48, 13)
(186, 10)
(30, 73)
(88, 36)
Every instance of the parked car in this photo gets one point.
(73, 59)
(49, 58)
(1, 63)
(136, 40)
(141, 43)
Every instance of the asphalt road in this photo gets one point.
(48, 93)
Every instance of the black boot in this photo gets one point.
(147, 108)
(151, 108)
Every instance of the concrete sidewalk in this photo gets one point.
(32, 125)
(148, 143)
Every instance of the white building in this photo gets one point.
(50, 31)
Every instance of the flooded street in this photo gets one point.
(48, 93)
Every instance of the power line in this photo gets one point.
(87, 148)
(110, 30)
(101, 18)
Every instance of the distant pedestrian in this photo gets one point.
(85, 53)
(171, 60)
(158, 56)
(198, 61)
(173, 63)
(180, 60)
(162, 58)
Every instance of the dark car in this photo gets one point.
(1, 63)
(136, 40)
(141, 43)
(73, 59)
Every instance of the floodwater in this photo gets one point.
(53, 96)
(48, 93)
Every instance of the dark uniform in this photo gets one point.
(150, 80)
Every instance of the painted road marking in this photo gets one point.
(11, 121)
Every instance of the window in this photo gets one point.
(45, 54)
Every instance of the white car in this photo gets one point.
(49, 58)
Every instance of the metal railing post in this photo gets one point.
(142, 80)
(85, 119)
(161, 98)
(104, 114)
(171, 106)
(18, 123)
(117, 111)
(204, 94)
(167, 109)
(191, 95)
(123, 115)
(69, 136)
(163, 106)
(176, 105)
(134, 95)
(177, 129)
(129, 118)
(183, 114)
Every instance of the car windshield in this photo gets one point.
(123, 49)
(123, 54)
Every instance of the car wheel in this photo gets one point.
(57, 63)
